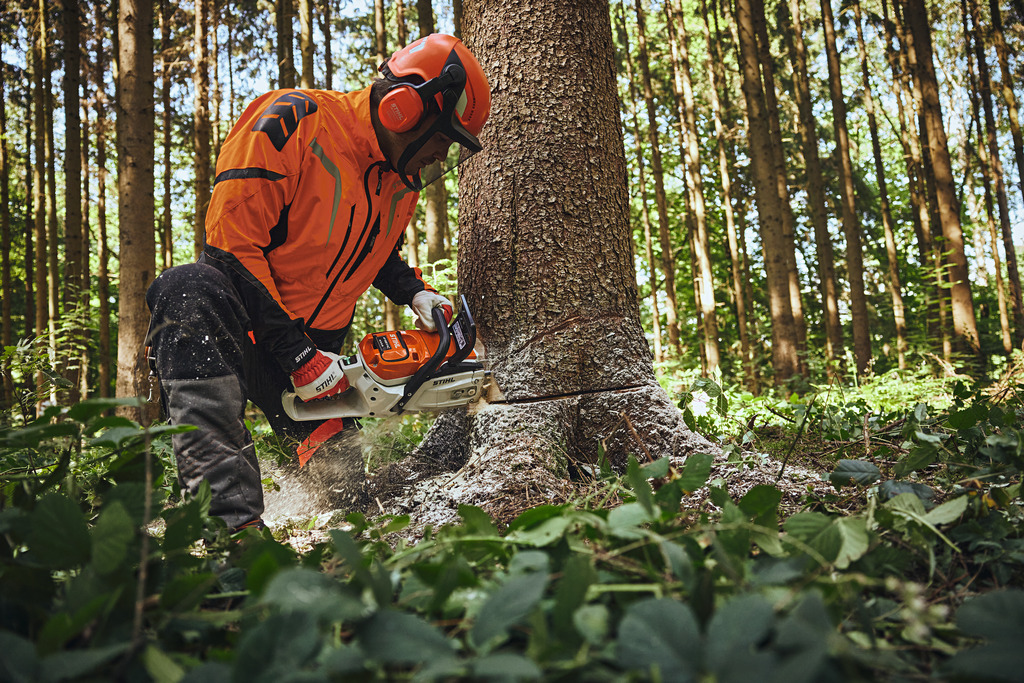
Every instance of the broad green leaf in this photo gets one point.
(59, 536)
(276, 648)
(507, 606)
(627, 518)
(393, 637)
(735, 631)
(536, 515)
(818, 531)
(890, 489)
(921, 456)
(505, 667)
(90, 408)
(657, 469)
(545, 533)
(578, 574)
(858, 472)
(948, 512)
(477, 521)
(299, 589)
(641, 487)
(71, 664)
(855, 540)
(998, 618)
(111, 538)
(660, 634)
(696, 471)
(160, 666)
(760, 499)
(591, 622)
(19, 661)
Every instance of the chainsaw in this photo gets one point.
(404, 371)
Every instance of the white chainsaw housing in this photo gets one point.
(371, 396)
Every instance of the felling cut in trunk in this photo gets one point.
(546, 262)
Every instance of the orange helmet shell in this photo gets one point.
(426, 58)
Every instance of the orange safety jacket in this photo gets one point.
(306, 213)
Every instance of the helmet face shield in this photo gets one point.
(456, 157)
(465, 145)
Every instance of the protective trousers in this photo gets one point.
(209, 366)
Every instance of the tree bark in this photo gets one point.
(201, 121)
(572, 360)
(41, 242)
(74, 236)
(135, 156)
(306, 43)
(851, 223)
(7, 338)
(816, 198)
(667, 250)
(285, 40)
(380, 32)
(102, 250)
(327, 30)
(166, 222)
(784, 339)
(965, 324)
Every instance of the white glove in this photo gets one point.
(321, 376)
(423, 303)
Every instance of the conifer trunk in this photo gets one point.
(201, 120)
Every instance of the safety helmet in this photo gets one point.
(435, 74)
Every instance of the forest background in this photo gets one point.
(893, 246)
(824, 203)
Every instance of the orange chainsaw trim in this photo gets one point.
(396, 354)
(321, 434)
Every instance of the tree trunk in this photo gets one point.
(285, 40)
(667, 251)
(135, 156)
(380, 32)
(401, 32)
(784, 339)
(328, 31)
(895, 286)
(166, 221)
(74, 236)
(704, 277)
(781, 178)
(572, 360)
(102, 246)
(41, 245)
(816, 197)
(851, 224)
(1010, 100)
(306, 43)
(965, 325)
(29, 227)
(645, 214)
(7, 338)
(435, 195)
(201, 119)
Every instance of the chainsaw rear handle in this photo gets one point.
(443, 344)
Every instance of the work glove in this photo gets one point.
(319, 377)
(423, 303)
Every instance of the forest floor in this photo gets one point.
(300, 509)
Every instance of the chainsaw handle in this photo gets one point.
(443, 343)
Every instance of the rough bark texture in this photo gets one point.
(5, 242)
(202, 130)
(135, 150)
(547, 265)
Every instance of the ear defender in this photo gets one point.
(401, 109)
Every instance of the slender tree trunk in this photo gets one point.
(713, 68)
(53, 234)
(965, 324)
(380, 31)
(816, 197)
(102, 243)
(328, 30)
(781, 181)
(645, 214)
(400, 28)
(992, 165)
(784, 338)
(166, 221)
(201, 121)
(74, 240)
(306, 43)
(704, 277)
(435, 195)
(135, 155)
(215, 90)
(667, 251)
(39, 100)
(29, 227)
(457, 18)
(7, 338)
(851, 224)
(285, 40)
(1010, 101)
(895, 286)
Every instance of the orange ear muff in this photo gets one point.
(401, 109)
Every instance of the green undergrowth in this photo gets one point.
(911, 567)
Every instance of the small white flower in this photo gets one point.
(699, 403)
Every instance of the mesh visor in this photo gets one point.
(465, 145)
(456, 156)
